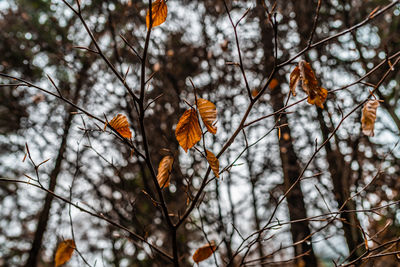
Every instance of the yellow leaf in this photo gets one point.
(214, 163)
(369, 116)
(64, 252)
(204, 252)
(316, 94)
(164, 170)
(208, 113)
(294, 80)
(159, 12)
(121, 125)
(188, 131)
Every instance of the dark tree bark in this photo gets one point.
(44, 215)
(290, 164)
(34, 253)
(291, 171)
(254, 203)
(340, 172)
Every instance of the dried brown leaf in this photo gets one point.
(294, 80)
(188, 131)
(204, 252)
(164, 170)
(159, 13)
(254, 92)
(319, 97)
(316, 94)
(369, 116)
(214, 163)
(273, 84)
(64, 252)
(208, 113)
(121, 125)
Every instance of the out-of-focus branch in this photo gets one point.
(99, 216)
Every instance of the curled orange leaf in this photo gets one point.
(164, 170)
(159, 12)
(294, 80)
(318, 97)
(64, 252)
(316, 94)
(188, 131)
(121, 125)
(204, 252)
(208, 113)
(369, 116)
(214, 163)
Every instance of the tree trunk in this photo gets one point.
(340, 173)
(290, 163)
(44, 215)
(257, 221)
(295, 199)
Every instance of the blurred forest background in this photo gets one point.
(345, 207)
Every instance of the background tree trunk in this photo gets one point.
(290, 164)
(44, 215)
